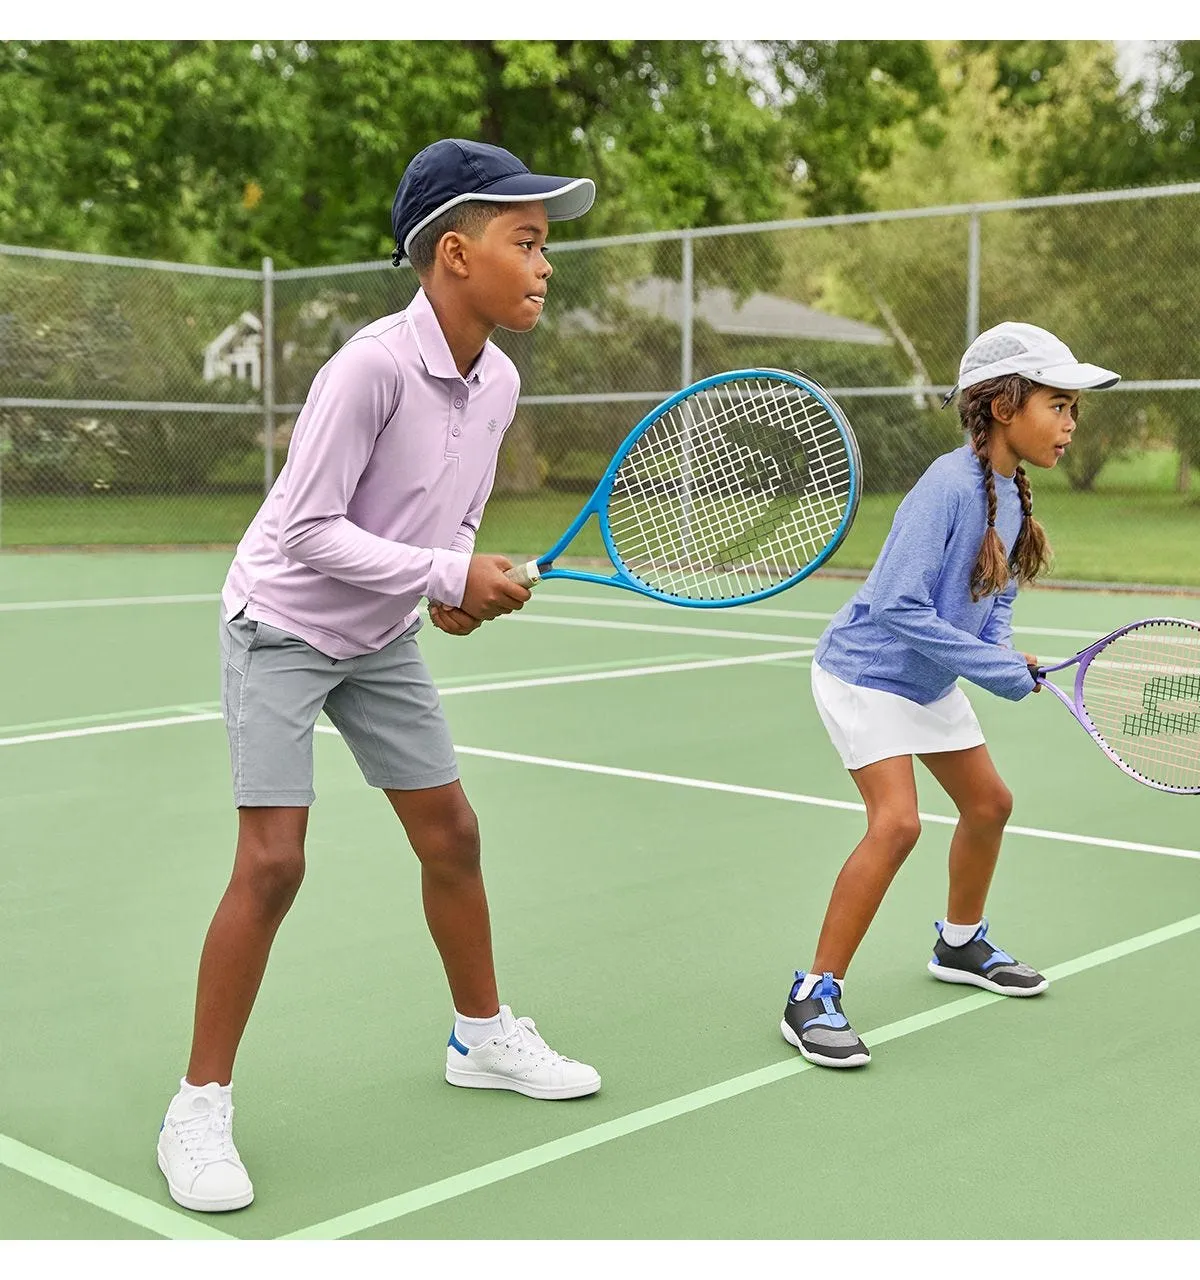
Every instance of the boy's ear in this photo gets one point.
(452, 253)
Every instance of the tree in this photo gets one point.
(223, 150)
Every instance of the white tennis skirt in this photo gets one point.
(868, 724)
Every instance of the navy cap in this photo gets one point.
(453, 170)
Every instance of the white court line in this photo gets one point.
(172, 1223)
(92, 731)
(629, 600)
(596, 1135)
(715, 633)
(792, 797)
(625, 672)
(766, 611)
(21, 606)
(97, 729)
(671, 779)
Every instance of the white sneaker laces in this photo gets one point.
(208, 1137)
(524, 1039)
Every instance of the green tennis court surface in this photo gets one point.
(663, 818)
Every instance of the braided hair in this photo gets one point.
(1030, 553)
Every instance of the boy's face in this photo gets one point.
(507, 268)
(1040, 431)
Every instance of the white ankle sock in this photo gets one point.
(187, 1092)
(187, 1088)
(958, 935)
(476, 1031)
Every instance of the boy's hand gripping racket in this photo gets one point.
(731, 490)
(1137, 692)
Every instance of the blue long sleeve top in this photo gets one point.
(912, 628)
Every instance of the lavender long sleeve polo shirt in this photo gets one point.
(390, 464)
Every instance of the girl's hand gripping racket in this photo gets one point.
(1137, 692)
(731, 490)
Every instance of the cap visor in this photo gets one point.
(1077, 377)
(563, 197)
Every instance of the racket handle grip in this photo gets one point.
(525, 575)
(1036, 672)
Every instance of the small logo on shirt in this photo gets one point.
(492, 425)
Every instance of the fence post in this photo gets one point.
(268, 373)
(685, 316)
(972, 278)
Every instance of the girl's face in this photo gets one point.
(1039, 432)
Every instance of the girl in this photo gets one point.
(936, 606)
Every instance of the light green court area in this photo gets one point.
(649, 906)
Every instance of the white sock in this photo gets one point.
(476, 1031)
(812, 980)
(958, 935)
(188, 1091)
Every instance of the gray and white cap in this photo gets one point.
(1036, 354)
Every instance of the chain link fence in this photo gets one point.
(151, 403)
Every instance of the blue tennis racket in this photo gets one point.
(732, 489)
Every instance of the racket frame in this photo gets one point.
(1075, 705)
(597, 505)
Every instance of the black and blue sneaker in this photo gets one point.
(816, 1025)
(980, 964)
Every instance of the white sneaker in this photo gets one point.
(521, 1060)
(196, 1152)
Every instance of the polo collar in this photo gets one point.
(433, 348)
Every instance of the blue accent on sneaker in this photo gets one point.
(455, 1043)
(980, 935)
(834, 1021)
(826, 991)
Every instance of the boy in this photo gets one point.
(389, 467)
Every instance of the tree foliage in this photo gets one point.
(221, 151)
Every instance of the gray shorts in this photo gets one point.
(385, 705)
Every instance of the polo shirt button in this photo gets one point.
(458, 404)
(454, 431)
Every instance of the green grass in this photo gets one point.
(1155, 470)
(121, 520)
(1097, 537)
(1131, 536)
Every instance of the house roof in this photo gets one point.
(761, 315)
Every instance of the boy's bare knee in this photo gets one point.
(451, 846)
(272, 872)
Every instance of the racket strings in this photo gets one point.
(734, 490)
(1142, 695)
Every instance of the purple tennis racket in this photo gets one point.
(1137, 693)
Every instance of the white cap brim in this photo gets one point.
(1075, 377)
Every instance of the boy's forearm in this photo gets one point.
(338, 548)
